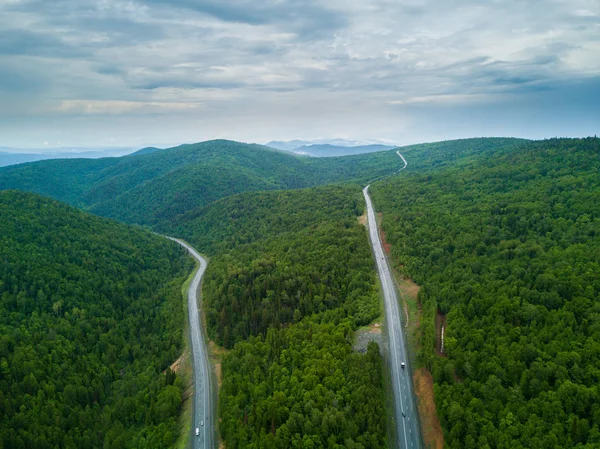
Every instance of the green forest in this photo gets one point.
(153, 188)
(507, 247)
(90, 319)
(290, 278)
(503, 235)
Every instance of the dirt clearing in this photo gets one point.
(177, 364)
(363, 336)
(363, 219)
(433, 436)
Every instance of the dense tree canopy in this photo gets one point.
(290, 278)
(90, 316)
(508, 246)
(250, 217)
(302, 387)
(426, 157)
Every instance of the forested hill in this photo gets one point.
(252, 216)
(508, 248)
(156, 187)
(290, 277)
(436, 155)
(90, 316)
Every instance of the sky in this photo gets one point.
(162, 72)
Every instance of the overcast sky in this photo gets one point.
(118, 72)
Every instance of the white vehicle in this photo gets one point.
(201, 423)
(403, 365)
(197, 431)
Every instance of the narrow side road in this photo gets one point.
(406, 415)
(203, 416)
(403, 160)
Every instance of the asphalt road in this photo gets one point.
(406, 415)
(203, 416)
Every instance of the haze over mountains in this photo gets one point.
(329, 147)
(11, 156)
(327, 150)
(316, 148)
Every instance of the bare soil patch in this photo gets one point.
(410, 288)
(433, 436)
(375, 328)
(386, 246)
(363, 219)
(177, 365)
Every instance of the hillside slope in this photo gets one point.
(90, 316)
(156, 187)
(507, 247)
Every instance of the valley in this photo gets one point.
(500, 234)
(296, 224)
(204, 404)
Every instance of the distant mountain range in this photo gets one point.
(315, 148)
(327, 150)
(329, 147)
(11, 156)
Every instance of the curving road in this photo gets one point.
(203, 416)
(403, 160)
(406, 415)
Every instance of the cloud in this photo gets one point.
(122, 107)
(306, 17)
(24, 42)
(17, 81)
(234, 64)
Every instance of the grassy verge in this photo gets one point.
(185, 372)
(215, 357)
(411, 312)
